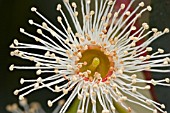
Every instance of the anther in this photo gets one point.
(44, 25)
(116, 14)
(88, 1)
(22, 30)
(153, 82)
(12, 53)
(33, 9)
(76, 13)
(22, 81)
(21, 97)
(154, 30)
(57, 89)
(16, 92)
(167, 80)
(58, 7)
(79, 111)
(11, 68)
(145, 26)
(31, 22)
(162, 106)
(149, 48)
(69, 30)
(65, 91)
(142, 4)
(148, 87)
(155, 111)
(91, 13)
(127, 13)
(38, 72)
(134, 89)
(80, 97)
(36, 85)
(160, 50)
(148, 102)
(50, 103)
(122, 6)
(47, 54)
(39, 31)
(74, 5)
(59, 19)
(39, 80)
(149, 8)
(105, 111)
(166, 30)
(110, 2)
(12, 46)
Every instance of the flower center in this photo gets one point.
(96, 64)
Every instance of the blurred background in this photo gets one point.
(16, 13)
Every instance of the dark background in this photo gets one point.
(15, 14)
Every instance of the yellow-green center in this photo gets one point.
(96, 62)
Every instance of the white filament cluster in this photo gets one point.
(113, 31)
(34, 107)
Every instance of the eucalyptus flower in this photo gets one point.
(98, 61)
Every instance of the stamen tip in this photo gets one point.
(105, 111)
(12, 45)
(33, 9)
(21, 97)
(50, 103)
(22, 30)
(166, 30)
(160, 50)
(59, 19)
(74, 5)
(162, 106)
(167, 80)
(58, 7)
(30, 22)
(148, 87)
(38, 72)
(142, 4)
(155, 111)
(155, 30)
(11, 68)
(122, 6)
(145, 26)
(39, 31)
(149, 49)
(110, 2)
(39, 80)
(88, 1)
(44, 25)
(22, 81)
(149, 8)
(16, 92)
(16, 42)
